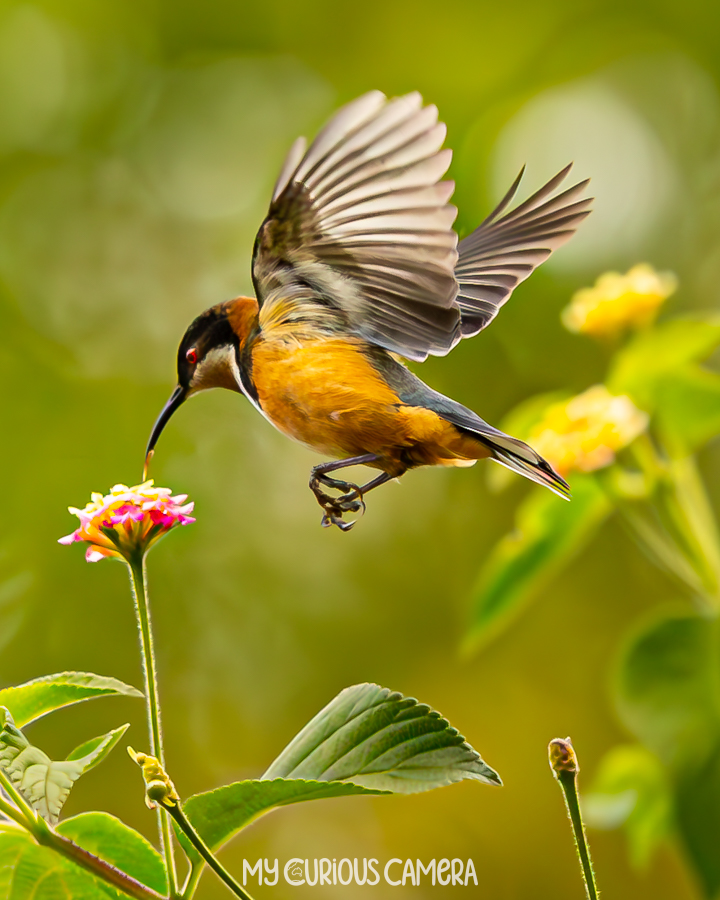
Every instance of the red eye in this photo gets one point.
(191, 356)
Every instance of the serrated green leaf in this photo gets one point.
(380, 739)
(112, 840)
(31, 872)
(36, 698)
(654, 353)
(45, 783)
(218, 815)
(631, 789)
(549, 532)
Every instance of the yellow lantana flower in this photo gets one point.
(128, 521)
(584, 433)
(619, 301)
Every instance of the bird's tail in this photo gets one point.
(519, 457)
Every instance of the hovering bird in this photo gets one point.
(356, 265)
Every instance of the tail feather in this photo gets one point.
(530, 464)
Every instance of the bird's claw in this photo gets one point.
(349, 501)
(328, 519)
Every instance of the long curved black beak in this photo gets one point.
(177, 398)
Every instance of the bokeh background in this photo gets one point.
(139, 142)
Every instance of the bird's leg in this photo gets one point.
(351, 494)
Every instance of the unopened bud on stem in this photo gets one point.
(158, 787)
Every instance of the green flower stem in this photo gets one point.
(193, 876)
(12, 812)
(175, 810)
(565, 766)
(672, 519)
(693, 516)
(138, 583)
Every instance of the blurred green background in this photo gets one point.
(138, 146)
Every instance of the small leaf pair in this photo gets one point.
(43, 782)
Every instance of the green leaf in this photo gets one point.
(380, 739)
(112, 840)
(94, 751)
(218, 815)
(688, 406)
(46, 784)
(549, 532)
(36, 698)
(667, 688)
(368, 740)
(669, 696)
(31, 872)
(664, 349)
(632, 789)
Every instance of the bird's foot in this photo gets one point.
(349, 501)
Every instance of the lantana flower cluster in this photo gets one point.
(617, 302)
(126, 522)
(585, 432)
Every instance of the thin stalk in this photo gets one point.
(7, 809)
(565, 766)
(202, 848)
(192, 879)
(138, 583)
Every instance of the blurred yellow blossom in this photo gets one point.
(619, 301)
(585, 432)
(128, 520)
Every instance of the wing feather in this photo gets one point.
(359, 236)
(360, 225)
(503, 251)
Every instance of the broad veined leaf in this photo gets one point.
(31, 872)
(664, 349)
(549, 532)
(218, 815)
(380, 739)
(632, 790)
(116, 843)
(45, 783)
(36, 698)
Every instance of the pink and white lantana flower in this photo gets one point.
(126, 522)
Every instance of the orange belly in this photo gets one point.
(327, 395)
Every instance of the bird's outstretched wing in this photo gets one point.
(359, 232)
(502, 252)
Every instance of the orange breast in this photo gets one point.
(327, 395)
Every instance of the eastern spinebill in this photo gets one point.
(356, 265)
